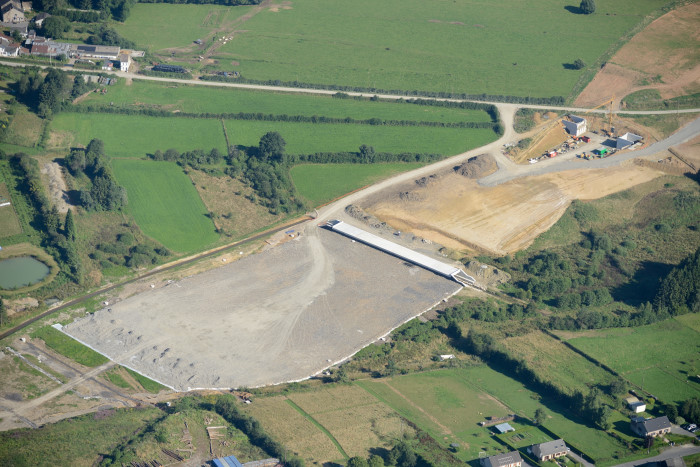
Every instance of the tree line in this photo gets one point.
(495, 126)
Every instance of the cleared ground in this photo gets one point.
(665, 56)
(281, 315)
(458, 213)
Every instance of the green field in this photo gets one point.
(69, 347)
(135, 135)
(9, 224)
(165, 204)
(438, 401)
(660, 358)
(319, 183)
(309, 138)
(142, 94)
(185, 23)
(508, 47)
(512, 393)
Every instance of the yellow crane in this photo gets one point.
(611, 109)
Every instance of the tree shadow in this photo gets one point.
(569, 66)
(574, 9)
(643, 285)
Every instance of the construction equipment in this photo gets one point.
(611, 110)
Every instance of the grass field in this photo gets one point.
(142, 94)
(555, 362)
(319, 183)
(24, 129)
(186, 23)
(296, 432)
(462, 46)
(76, 441)
(9, 224)
(69, 347)
(445, 405)
(512, 393)
(164, 204)
(309, 138)
(146, 383)
(136, 136)
(660, 358)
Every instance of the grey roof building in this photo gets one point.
(550, 449)
(509, 459)
(650, 427)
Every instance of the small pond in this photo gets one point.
(21, 271)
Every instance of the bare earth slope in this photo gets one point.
(653, 59)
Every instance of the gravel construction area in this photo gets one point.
(282, 315)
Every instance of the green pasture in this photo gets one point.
(525, 402)
(506, 47)
(523, 437)
(158, 26)
(309, 138)
(136, 135)
(143, 94)
(438, 399)
(319, 183)
(165, 204)
(659, 357)
(69, 347)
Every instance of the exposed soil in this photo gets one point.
(652, 60)
(460, 214)
(477, 166)
(57, 186)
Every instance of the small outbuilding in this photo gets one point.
(637, 407)
(504, 428)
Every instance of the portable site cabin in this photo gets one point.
(627, 140)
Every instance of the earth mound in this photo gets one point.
(477, 166)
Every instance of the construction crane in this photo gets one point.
(611, 109)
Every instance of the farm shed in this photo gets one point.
(627, 140)
(637, 407)
(402, 252)
(504, 428)
(550, 450)
(228, 461)
(575, 125)
(509, 459)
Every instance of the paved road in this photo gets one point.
(670, 453)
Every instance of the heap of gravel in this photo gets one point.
(477, 166)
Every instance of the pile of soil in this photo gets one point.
(486, 274)
(425, 181)
(358, 213)
(477, 166)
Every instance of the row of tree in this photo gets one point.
(281, 117)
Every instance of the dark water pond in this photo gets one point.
(21, 271)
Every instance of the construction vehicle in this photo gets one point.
(611, 109)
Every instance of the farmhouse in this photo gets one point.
(575, 125)
(626, 140)
(12, 11)
(650, 427)
(39, 19)
(550, 450)
(509, 459)
(124, 62)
